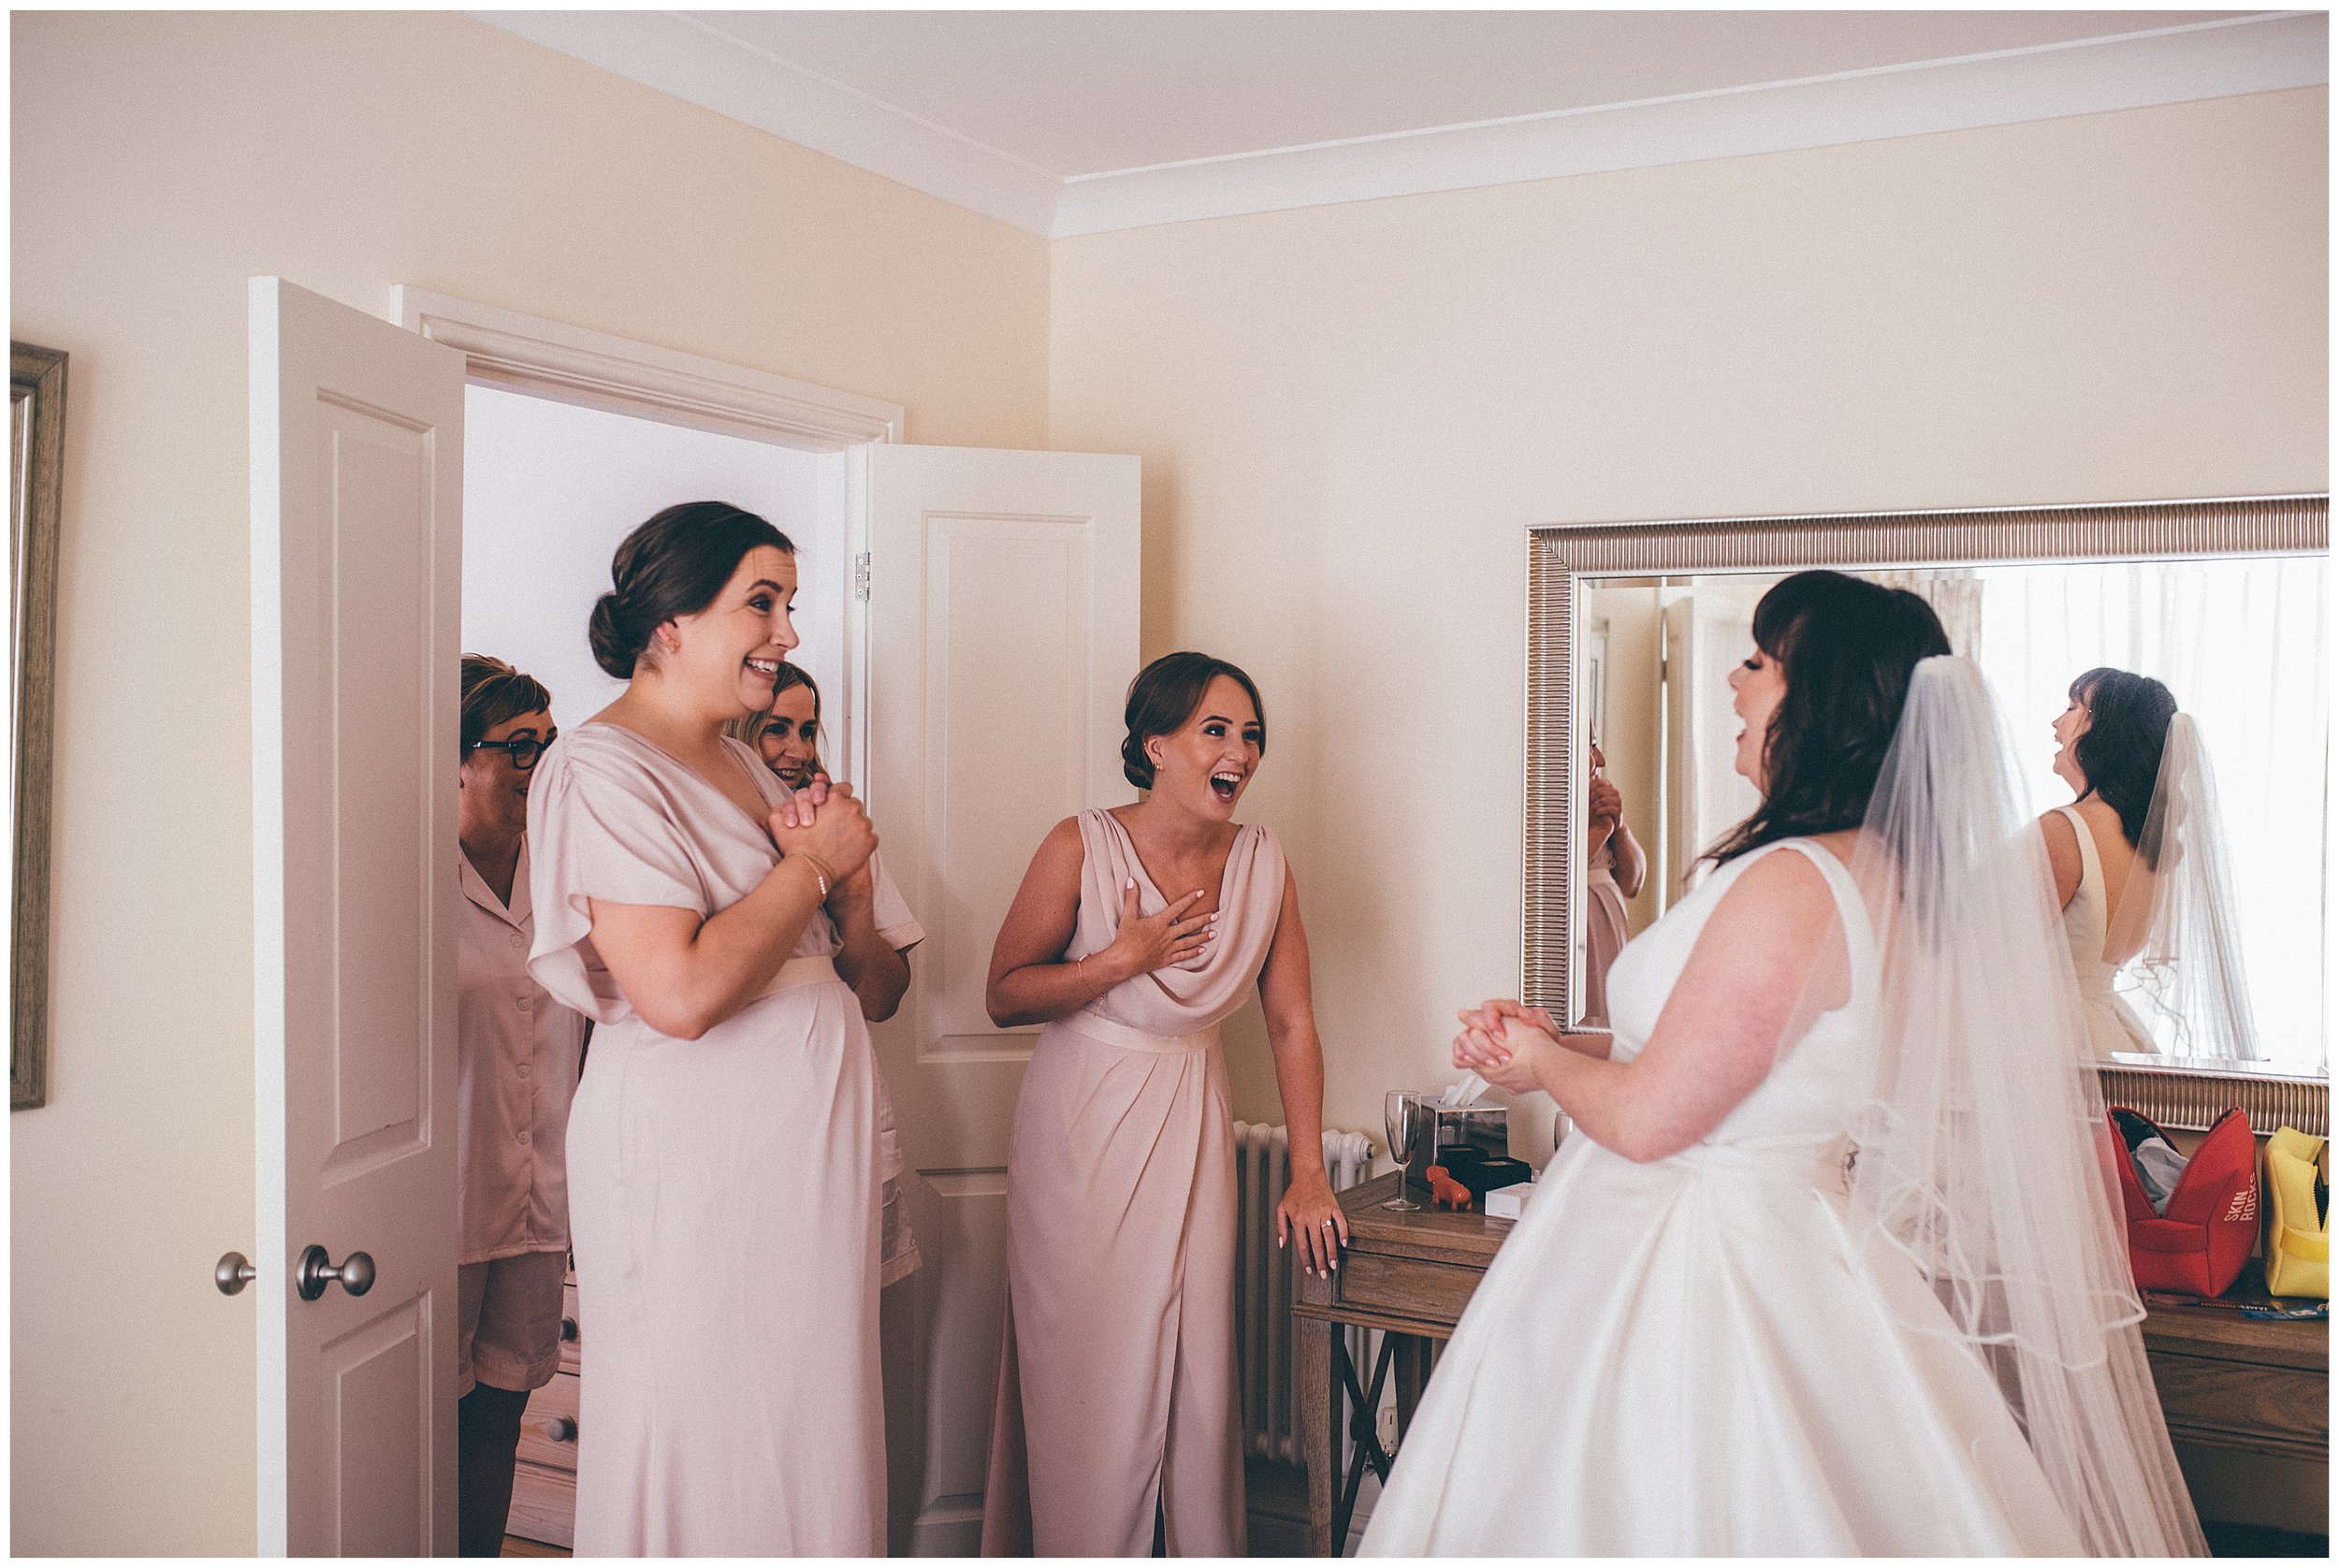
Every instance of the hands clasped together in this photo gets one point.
(1604, 808)
(1506, 1042)
(827, 825)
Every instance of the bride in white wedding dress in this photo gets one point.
(1833, 1264)
(2143, 876)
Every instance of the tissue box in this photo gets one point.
(1509, 1203)
(1482, 1127)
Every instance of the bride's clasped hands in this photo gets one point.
(1507, 1044)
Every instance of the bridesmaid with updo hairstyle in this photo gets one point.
(723, 1147)
(1136, 932)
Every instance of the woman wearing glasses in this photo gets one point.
(723, 1145)
(516, 1057)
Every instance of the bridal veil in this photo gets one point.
(2175, 930)
(1982, 1156)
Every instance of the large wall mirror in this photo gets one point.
(1633, 629)
(35, 453)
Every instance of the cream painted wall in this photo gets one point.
(1351, 415)
(159, 161)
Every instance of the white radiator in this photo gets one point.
(1265, 1335)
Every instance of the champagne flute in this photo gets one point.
(1402, 1117)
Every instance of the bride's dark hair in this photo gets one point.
(1847, 649)
(2120, 753)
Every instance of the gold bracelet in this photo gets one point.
(820, 873)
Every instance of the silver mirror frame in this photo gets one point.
(1559, 557)
(37, 404)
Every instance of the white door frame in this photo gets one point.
(578, 365)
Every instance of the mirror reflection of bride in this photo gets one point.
(2141, 873)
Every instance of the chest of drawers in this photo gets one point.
(544, 1487)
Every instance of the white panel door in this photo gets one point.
(1001, 637)
(357, 521)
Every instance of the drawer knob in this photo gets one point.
(568, 1331)
(560, 1429)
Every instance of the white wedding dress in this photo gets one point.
(1692, 1356)
(2113, 1026)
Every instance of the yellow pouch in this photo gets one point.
(2298, 1239)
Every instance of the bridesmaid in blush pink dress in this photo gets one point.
(1116, 1398)
(1615, 867)
(723, 1147)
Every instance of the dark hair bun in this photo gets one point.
(1136, 766)
(613, 649)
(611, 646)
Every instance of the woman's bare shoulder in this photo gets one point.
(1784, 883)
(1061, 854)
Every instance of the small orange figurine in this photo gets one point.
(1446, 1192)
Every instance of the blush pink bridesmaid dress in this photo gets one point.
(1118, 1372)
(723, 1191)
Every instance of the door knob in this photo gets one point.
(233, 1273)
(315, 1271)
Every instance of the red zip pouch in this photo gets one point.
(2197, 1244)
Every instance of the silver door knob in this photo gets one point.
(233, 1273)
(315, 1271)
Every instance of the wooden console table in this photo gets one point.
(1409, 1275)
(2224, 1379)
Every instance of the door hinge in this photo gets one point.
(860, 576)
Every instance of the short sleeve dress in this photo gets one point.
(723, 1191)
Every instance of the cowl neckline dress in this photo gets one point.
(1695, 1357)
(1117, 1370)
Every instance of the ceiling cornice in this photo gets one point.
(693, 58)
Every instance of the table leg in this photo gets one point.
(1319, 1428)
(1412, 1375)
(1362, 1403)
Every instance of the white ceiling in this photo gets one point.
(1077, 122)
